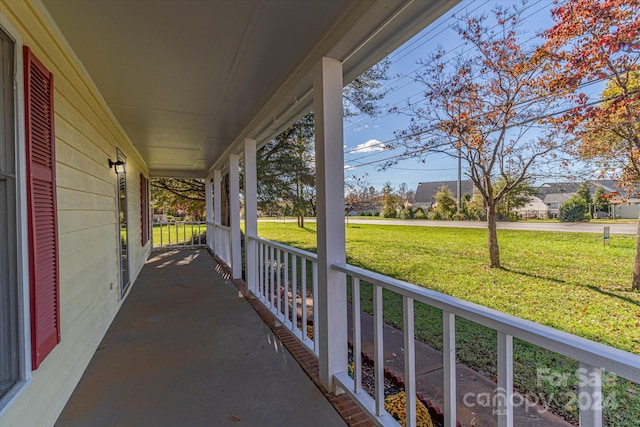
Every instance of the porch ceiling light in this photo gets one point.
(118, 165)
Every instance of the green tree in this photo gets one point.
(584, 192)
(600, 200)
(445, 204)
(389, 201)
(179, 196)
(518, 197)
(575, 209)
(286, 165)
(286, 171)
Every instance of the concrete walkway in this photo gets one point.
(472, 388)
(185, 350)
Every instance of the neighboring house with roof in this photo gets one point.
(426, 192)
(552, 195)
(549, 199)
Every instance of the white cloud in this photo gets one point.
(348, 167)
(369, 146)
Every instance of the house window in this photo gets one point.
(10, 287)
(144, 209)
(123, 225)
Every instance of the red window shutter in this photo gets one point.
(44, 277)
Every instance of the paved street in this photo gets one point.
(575, 227)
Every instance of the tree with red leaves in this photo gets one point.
(599, 40)
(489, 105)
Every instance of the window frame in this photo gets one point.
(24, 326)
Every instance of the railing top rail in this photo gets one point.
(300, 252)
(222, 227)
(178, 222)
(619, 362)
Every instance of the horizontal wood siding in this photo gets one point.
(86, 137)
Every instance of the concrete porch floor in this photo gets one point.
(186, 350)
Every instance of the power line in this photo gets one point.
(407, 155)
(412, 74)
(479, 117)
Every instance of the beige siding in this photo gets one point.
(86, 137)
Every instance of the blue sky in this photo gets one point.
(364, 137)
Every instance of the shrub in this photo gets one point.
(406, 214)
(419, 214)
(574, 210)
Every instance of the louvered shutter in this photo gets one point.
(44, 275)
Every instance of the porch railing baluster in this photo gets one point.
(409, 361)
(505, 380)
(590, 397)
(378, 350)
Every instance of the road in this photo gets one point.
(574, 227)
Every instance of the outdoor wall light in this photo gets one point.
(118, 166)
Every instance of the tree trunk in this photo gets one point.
(300, 221)
(494, 249)
(635, 284)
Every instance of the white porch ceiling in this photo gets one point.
(188, 80)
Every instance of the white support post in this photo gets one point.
(250, 212)
(208, 195)
(234, 217)
(332, 296)
(217, 193)
(217, 208)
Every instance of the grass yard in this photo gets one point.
(177, 233)
(569, 281)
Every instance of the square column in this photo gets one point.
(332, 295)
(234, 218)
(208, 196)
(250, 212)
(217, 196)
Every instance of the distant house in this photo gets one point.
(426, 192)
(551, 196)
(547, 202)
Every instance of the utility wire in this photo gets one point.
(407, 155)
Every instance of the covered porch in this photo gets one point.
(193, 89)
(187, 349)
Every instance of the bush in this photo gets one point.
(419, 214)
(574, 210)
(376, 213)
(406, 214)
(389, 213)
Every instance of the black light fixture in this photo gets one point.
(118, 165)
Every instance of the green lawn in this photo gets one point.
(177, 233)
(569, 281)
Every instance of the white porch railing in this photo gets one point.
(287, 284)
(594, 358)
(222, 242)
(285, 275)
(185, 234)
